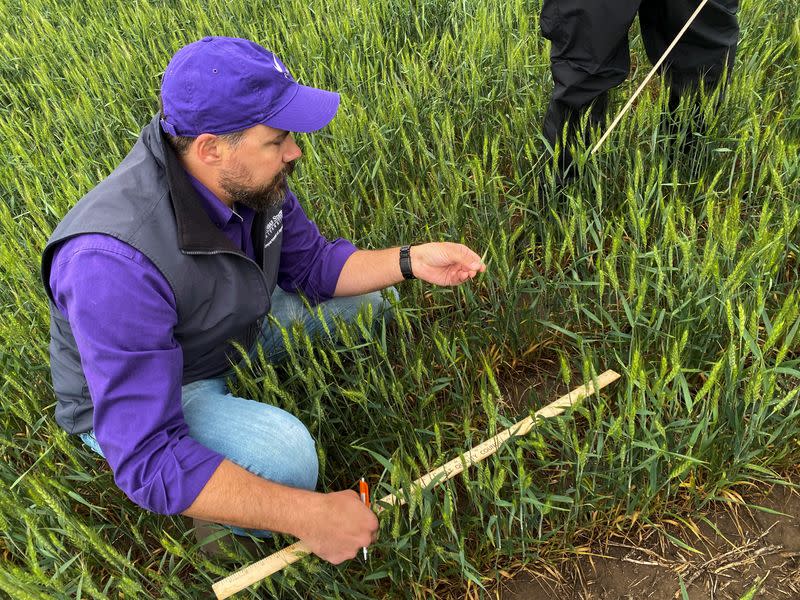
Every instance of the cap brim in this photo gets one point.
(310, 109)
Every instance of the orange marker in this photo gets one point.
(363, 490)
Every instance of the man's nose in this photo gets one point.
(293, 151)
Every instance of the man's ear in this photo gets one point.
(207, 149)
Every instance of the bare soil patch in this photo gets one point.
(741, 553)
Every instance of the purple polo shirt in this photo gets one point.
(122, 312)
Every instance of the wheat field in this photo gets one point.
(678, 268)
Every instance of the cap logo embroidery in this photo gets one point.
(278, 67)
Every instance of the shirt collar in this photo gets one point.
(219, 212)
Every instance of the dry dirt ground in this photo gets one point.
(751, 555)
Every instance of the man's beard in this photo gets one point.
(262, 198)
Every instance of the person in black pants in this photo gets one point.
(589, 54)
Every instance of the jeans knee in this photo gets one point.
(302, 464)
(278, 448)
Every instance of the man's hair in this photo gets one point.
(180, 143)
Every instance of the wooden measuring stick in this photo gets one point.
(652, 72)
(277, 561)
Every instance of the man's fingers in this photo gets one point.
(471, 255)
(459, 253)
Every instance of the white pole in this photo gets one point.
(649, 76)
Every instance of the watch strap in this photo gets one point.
(405, 262)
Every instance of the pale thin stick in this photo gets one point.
(277, 561)
(652, 72)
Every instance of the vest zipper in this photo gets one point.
(260, 320)
(239, 254)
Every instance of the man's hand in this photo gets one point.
(337, 525)
(440, 263)
(445, 263)
(334, 526)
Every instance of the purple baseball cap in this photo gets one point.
(220, 85)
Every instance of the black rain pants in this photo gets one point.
(589, 52)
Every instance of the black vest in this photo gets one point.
(221, 295)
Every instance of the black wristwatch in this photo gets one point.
(405, 262)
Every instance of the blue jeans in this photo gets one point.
(264, 439)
